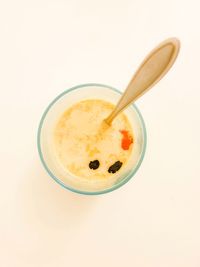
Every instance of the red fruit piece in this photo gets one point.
(127, 140)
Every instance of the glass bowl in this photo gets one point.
(45, 137)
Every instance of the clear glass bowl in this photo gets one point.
(45, 137)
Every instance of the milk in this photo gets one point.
(80, 137)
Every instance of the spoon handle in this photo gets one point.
(152, 69)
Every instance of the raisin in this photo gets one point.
(94, 164)
(115, 167)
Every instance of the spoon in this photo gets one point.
(152, 69)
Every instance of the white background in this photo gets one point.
(48, 46)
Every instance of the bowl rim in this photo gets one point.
(115, 186)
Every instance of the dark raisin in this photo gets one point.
(94, 164)
(115, 167)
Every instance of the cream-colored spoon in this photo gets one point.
(152, 69)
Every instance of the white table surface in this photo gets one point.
(48, 46)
